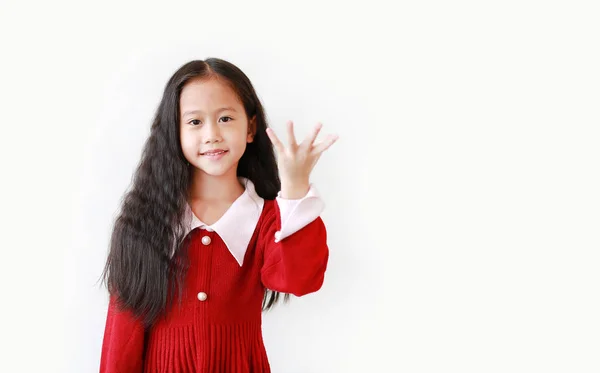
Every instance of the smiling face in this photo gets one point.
(214, 128)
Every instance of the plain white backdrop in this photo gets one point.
(462, 197)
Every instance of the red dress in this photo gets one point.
(218, 327)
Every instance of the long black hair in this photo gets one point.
(140, 269)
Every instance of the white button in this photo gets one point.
(202, 296)
(206, 240)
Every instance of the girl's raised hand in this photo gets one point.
(296, 161)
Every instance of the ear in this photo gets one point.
(251, 130)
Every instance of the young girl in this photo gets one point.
(214, 228)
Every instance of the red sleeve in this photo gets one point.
(296, 264)
(123, 344)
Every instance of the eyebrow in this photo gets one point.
(201, 112)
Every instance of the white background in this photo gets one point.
(462, 197)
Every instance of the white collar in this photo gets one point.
(237, 225)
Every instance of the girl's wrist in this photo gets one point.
(294, 190)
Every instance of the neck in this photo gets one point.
(221, 188)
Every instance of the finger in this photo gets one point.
(310, 139)
(325, 144)
(314, 161)
(291, 136)
(275, 140)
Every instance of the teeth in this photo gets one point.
(217, 153)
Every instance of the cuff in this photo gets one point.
(298, 213)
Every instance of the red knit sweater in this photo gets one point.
(218, 326)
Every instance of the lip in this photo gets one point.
(213, 152)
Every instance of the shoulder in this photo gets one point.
(269, 212)
(269, 222)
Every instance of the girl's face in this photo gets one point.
(214, 129)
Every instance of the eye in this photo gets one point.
(194, 122)
(230, 119)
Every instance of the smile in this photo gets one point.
(214, 155)
(214, 152)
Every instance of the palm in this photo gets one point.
(296, 161)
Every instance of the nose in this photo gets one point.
(211, 133)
